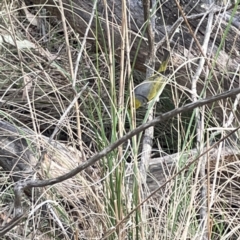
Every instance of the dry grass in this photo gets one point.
(36, 89)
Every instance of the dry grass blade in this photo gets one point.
(51, 149)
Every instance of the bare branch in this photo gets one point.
(148, 136)
(29, 183)
(104, 152)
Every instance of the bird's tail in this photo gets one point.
(165, 61)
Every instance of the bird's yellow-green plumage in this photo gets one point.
(148, 89)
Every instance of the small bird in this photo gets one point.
(149, 88)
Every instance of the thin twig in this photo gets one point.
(61, 9)
(149, 132)
(174, 27)
(196, 40)
(83, 43)
(200, 132)
(148, 135)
